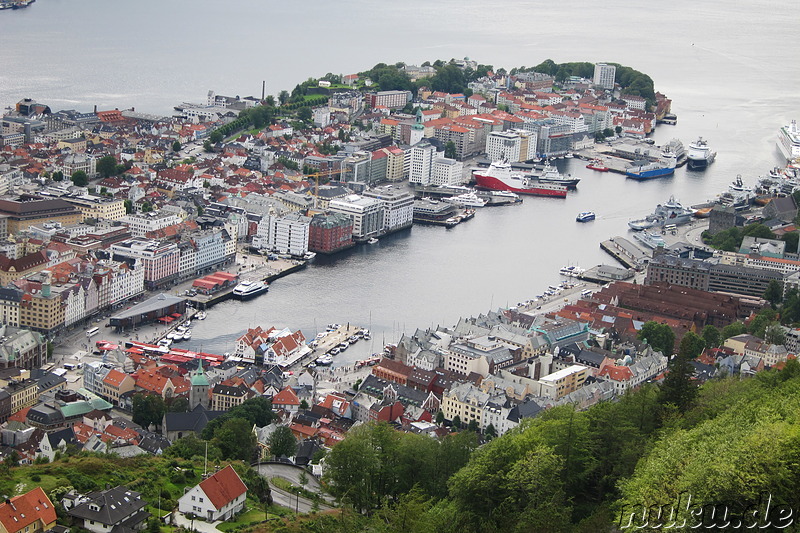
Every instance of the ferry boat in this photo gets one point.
(672, 212)
(789, 140)
(250, 288)
(647, 170)
(468, 199)
(700, 155)
(650, 239)
(553, 176)
(586, 216)
(499, 177)
(597, 164)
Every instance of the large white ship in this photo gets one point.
(700, 154)
(789, 140)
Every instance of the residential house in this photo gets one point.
(116, 509)
(32, 512)
(218, 497)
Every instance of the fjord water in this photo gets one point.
(730, 69)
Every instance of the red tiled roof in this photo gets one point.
(223, 487)
(24, 510)
(286, 397)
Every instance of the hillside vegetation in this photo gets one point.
(590, 471)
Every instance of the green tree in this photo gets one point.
(176, 146)
(304, 114)
(147, 207)
(283, 97)
(659, 336)
(207, 147)
(215, 137)
(178, 405)
(711, 336)
(439, 418)
(775, 334)
(303, 404)
(691, 345)
(58, 175)
(269, 100)
(79, 178)
(450, 150)
(236, 440)
(456, 422)
(774, 293)
(490, 432)
(148, 409)
(473, 426)
(106, 166)
(120, 169)
(282, 442)
(733, 329)
(128, 207)
(191, 446)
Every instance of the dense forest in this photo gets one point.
(733, 446)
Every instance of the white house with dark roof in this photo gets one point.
(112, 510)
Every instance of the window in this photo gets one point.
(201, 500)
(192, 498)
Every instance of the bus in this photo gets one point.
(671, 228)
(92, 332)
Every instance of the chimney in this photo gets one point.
(95, 109)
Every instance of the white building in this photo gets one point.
(604, 75)
(398, 207)
(421, 158)
(289, 234)
(513, 145)
(218, 497)
(447, 172)
(142, 223)
(366, 213)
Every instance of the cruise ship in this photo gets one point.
(700, 154)
(789, 141)
(247, 289)
(499, 177)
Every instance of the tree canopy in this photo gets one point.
(659, 336)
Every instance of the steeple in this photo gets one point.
(417, 129)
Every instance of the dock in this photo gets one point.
(624, 251)
(603, 274)
(331, 340)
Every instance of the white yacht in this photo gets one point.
(248, 288)
(468, 199)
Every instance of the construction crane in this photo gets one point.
(317, 175)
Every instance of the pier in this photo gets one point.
(624, 251)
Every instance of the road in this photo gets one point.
(292, 474)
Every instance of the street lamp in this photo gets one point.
(191, 517)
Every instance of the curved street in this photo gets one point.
(292, 474)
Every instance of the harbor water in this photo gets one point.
(731, 82)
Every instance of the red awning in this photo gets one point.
(134, 350)
(166, 319)
(176, 315)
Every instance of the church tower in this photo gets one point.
(417, 129)
(198, 392)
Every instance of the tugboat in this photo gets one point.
(597, 164)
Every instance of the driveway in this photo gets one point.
(198, 525)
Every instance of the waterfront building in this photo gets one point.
(327, 233)
(398, 207)
(288, 234)
(712, 274)
(513, 146)
(421, 157)
(604, 75)
(367, 214)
